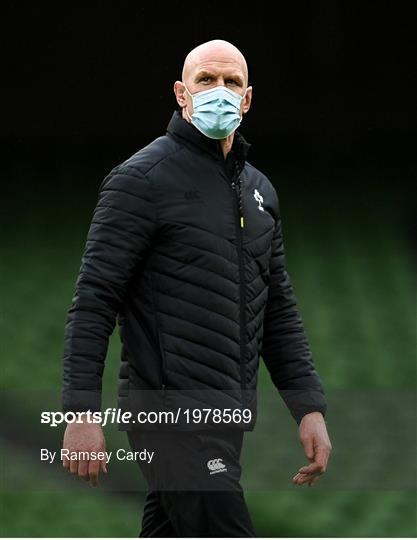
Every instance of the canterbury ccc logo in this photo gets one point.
(216, 466)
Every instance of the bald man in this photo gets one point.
(185, 251)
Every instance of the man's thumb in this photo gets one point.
(309, 448)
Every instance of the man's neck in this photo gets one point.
(227, 144)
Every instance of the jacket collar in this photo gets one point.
(178, 127)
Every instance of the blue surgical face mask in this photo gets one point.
(216, 111)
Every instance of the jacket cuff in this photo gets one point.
(302, 402)
(81, 400)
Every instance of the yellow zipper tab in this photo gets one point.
(242, 223)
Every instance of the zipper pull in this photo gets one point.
(242, 222)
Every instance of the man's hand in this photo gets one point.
(85, 437)
(317, 448)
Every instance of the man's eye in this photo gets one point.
(205, 79)
(231, 81)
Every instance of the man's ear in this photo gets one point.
(247, 100)
(179, 91)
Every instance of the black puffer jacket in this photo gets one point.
(185, 248)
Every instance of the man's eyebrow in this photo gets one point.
(235, 76)
(206, 73)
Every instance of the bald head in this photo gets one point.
(218, 53)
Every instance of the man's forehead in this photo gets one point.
(218, 66)
(219, 58)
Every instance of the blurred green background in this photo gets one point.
(349, 246)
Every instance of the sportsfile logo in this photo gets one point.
(216, 465)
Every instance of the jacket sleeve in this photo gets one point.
(286, 351)
(119, 238)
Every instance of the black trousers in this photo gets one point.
(193, 484)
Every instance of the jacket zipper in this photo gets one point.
(163, 362)
(242, 290)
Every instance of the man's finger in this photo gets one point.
(83, 469)
(300, 479)
(322, 457)
(65, 463)
(93, 470)
(304, 477)
(319, 464)
(73, 466)
(313, 480)
(103, 466)
(313, 468)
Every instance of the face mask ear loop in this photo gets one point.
(187, 113)
(241, 99)
(191, 96)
